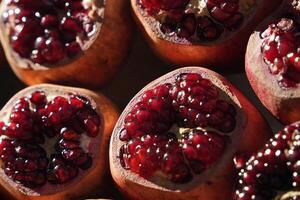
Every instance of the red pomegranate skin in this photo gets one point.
(206, 54)
(282, 102)
(215, 187)
(85, 184)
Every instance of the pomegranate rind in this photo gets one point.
(217, 182)
(209, 54)
(98, 64)
(282, 103)
(87, 182)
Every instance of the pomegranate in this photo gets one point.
(197, 32)
(272, 172)
(177, 137)
(65, 41)
(272, 62)
(54, 142)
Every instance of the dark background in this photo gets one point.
(141, 68)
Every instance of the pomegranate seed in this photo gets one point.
(73, 49)
(69, 134)
(164, 5)
(49, 21)
(71, 154)
(220, 15)
(38, 98)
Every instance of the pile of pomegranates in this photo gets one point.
(190, 134)
(177, 137)
(272, 62)
(199, 32)
(64, 41)
(54, 142)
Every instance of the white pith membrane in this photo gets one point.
(96, 10)
(160, 180)
(88, 144)
(289, 196)
(198, 8)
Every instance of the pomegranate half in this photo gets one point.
(199, 32)
(177, 137)
(80, 42)
(54, 142)
(272, 62)
(274, 171)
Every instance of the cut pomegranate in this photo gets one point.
(197, 32)
(272, 172)
(272, 63)
(54, 141)
(179, 133)
(65, 37)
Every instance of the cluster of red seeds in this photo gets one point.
(274, 169)
(61, 119)
(45, 31)
(191, 102)
(281, 51)
(224, 14)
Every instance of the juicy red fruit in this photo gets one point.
(35, 122)
(175, 17)
(281, 50)
(191, 104)
(48, 31)
(274, 170)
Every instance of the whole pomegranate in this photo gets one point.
(177, 137)
(199, 32)
(75, 42)
(54, 143)
(272, 62)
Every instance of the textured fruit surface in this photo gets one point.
(280, 48)
(198, 20)
(177, 129)
(46, 138)
(281, 53)
(49, 31)
(274, 170)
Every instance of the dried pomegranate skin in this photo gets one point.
(206, 54)
(84, 183)
(101, 60)
(282, 102)
(212, 185)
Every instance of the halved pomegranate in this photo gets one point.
(274, 171)
(199, 32)
(272, 62)
(177, 137)
(54, 142)
(78, 42)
